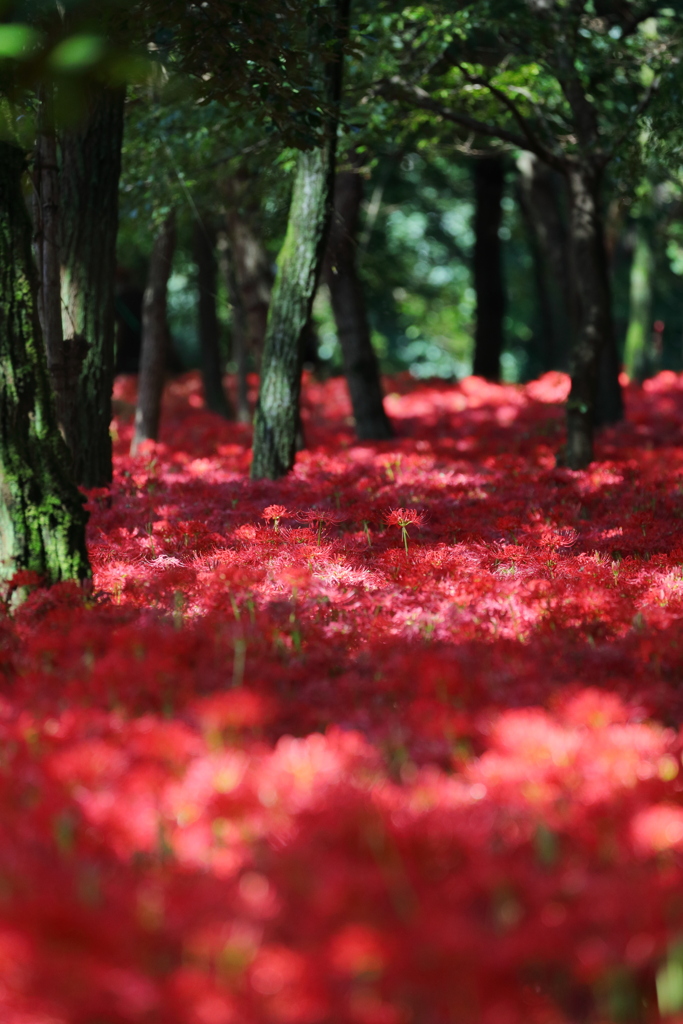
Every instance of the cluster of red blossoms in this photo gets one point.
(396, 740)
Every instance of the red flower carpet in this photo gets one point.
(396, 739)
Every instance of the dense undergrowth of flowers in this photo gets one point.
(396, 740)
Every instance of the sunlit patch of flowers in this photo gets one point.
(279, 768)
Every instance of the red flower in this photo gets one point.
(321, 516)
(405, 517)
(275, 514)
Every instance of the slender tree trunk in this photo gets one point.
(299, 264)
(238, 329)
(251, 267)
(90, 171)
(348, 304)
(595, 334)
(42, 519)
(209, 330)
(540, 201)
(640, 313)
(489, 183)
(154, 355)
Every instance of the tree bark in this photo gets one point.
(299, 264)
(361, 366)
(595, 340)
(251, 267)
(42, 519)
(154, 355)
(540, 202)
(46, 239)
(238, 329)
(489, 182)
(90, 171)
(209, 331)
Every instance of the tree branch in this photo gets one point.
(414, 96)
(533, 142)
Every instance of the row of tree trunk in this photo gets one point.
(573, 284)
(41, 512)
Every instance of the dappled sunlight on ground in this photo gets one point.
(280, 769)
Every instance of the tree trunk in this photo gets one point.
(154, 355)
(46, 237)
(489, 182)
(348, 304)
(251, 267)
(91, 166)
(209, 330)
(595, 330)
(238, 329)
(277, 410)
(42, 519)
(540, 202)
(640, 313)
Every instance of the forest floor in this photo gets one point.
(276, 768)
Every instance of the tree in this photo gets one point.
(204, 245)
(250, 259)
(155, 337)
(565, 81)
(42, 519)
(361, 366)
(489, 184)
(89, 183)
(540, 192)
(277, 411)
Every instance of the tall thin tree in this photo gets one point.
(155, 336)
(299, 265)
(489, 286)
(361, 366)
(204, 246)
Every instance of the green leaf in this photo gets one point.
(78, 52)
(17, 40)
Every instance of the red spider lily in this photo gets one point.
(274, 513)
(405, 517)
(321, 516)
(247, 780)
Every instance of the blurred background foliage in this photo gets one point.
(415, 244)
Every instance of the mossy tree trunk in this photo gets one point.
(489, 184)
(155, 337)
(42, 519)
(277, 410)
(204, 245)
(595, 341)
(361, 366)
(89, 178)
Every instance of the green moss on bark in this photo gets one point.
(42, 519)
(276, 420)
